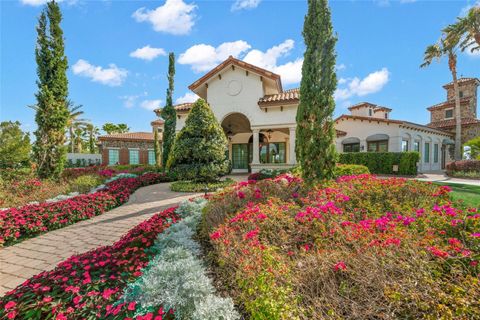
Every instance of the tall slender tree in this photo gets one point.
(436, 51)
(52, 96)
(156, 149)
(92, 131)
(168, 113)
(315, 133)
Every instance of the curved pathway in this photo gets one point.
(32, 256)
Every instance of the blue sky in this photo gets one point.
(118, 63)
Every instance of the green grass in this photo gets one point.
(470, 195)
(189, 186)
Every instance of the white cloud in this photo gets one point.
(291, 72)
(203, 57)
(187, 97)
(130, 101)
(342, 81)
(151, 104)
(245, 4)
(468, 51)
(111, 76)
(174, 17)
(148, 53)
(372, 83)
(340, 67)
(470, 5)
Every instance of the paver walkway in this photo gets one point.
(30, 257)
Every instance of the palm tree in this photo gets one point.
(92, 131)
(436, 52)
(466, 28)
(79, 138)
(74, 123)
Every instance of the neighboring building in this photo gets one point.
(130, 147)
(369, 128)
(442, 115)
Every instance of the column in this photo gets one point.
(291, 152)
(256, 146)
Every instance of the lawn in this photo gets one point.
(469, 194)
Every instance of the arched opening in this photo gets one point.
(237, 129)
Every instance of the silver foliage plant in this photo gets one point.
(176, 278)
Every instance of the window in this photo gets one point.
(134, 157)
(273, 152)
(405, 145)
(461, 94)
(151, 157)
(435, 153)
(416, 146)
(448, 113)
(386, 115)
(351, 147)
(370, 112)
(112, 157)
(240, 156)
(427, 153)
(377, 146)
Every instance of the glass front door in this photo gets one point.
(240, 156)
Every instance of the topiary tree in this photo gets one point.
(315, 142)
(198, 153)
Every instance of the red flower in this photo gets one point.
(340, 266)
(10, 305)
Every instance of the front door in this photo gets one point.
(240, 156)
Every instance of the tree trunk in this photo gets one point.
(476, 36)
(72, 142)
(452, 62)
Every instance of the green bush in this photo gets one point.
(383, 162)
(191, 186)
(84, 184)
(350, 170)
(198, 153)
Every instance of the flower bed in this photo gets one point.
(31, 220)
(90, 285)
(357, 248)
(464, 169)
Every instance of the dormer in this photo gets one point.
(382, 112)
(363, 109)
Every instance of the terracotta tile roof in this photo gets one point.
(448, 104)
(362, 105)
(242, 64)
(348, 116)
(287, 96)
(406, 124)
(451, 123)
(157, 122)
(462, 81)
(378, 108)
(183, 106)
(129, 136)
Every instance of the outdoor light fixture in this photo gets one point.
(229, 134)
(269, 134)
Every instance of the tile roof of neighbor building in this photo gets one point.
(406, 124)
(157, 122)
(462, 81)
(445, 124)
(447, 104)
(376, 108)
(129, 136)
(242, 64)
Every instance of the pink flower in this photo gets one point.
(241, 194)
(476, 235)
(12, 314)
(10, 305)
(60, 316)
(131, 306)
(340, 266)
(216, 235)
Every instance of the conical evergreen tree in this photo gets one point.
(199, 150)
(156, 149)
(52, 105)
(168, 113)
(315, 134)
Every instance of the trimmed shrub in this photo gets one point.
(383, 162)
(84, 184)
(464, 169)
(199, 150)
(190, 186)
(350, 170)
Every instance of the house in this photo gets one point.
(130, 147)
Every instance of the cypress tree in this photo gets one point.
(52, 105)
(315, 133)
(168, 113)
(156, 149)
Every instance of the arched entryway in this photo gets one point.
(237, 129)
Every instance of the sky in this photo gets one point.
(118, 52)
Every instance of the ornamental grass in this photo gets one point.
(359, 247)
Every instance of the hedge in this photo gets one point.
(383, 162)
